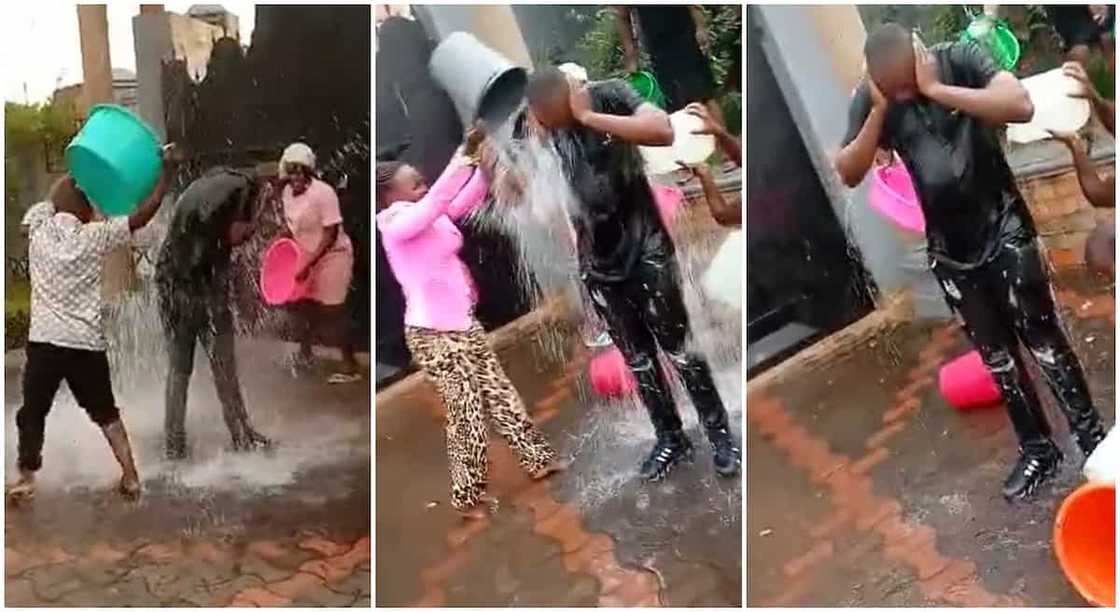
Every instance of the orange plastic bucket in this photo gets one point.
(1085, 541)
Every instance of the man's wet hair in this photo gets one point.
(884, 44)
(546, 83)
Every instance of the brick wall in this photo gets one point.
(1062, 215)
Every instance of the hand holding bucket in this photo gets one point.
(279, 267)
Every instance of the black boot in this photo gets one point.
(1038, 462)
(1088, 432)
(671, 449)
(725, 452)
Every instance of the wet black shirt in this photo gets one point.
(967, 190)
(194, 256)
(616, 222)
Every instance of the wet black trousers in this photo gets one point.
(206, 321)
(646, 312)
(87, 375)
(1007, 301)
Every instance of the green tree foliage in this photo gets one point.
(39, 129)
(600, 51)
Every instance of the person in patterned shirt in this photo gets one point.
(66, 342)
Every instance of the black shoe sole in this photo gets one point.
(687, 455)
(729, 471)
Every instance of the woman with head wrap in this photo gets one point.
(312, 215)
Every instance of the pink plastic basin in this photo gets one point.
(669, 200)
(892, 195)
(278, 273)
(610, 376)
(966, 383)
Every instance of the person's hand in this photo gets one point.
(630, 64)
(303, 273)
(1099, 13)
(171, 154)
(925, 68)
(709, 124)
(473, 138)
(579, 98)
(487, 156)
(1076, 71)
(878, 100)
(1070, 139)
(698, 171)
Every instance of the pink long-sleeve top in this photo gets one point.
(422, 244)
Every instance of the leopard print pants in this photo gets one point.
(474, 389)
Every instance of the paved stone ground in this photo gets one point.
(866, 489)
(286, 527)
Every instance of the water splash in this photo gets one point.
(75, 453)
(610, 442)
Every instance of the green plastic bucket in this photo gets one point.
(115, 159)
(646, 85)
(997, 38)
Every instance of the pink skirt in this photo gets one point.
(330, 278)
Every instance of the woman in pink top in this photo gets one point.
(314, 220)
(422, 243)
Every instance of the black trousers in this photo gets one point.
(646, 312)
(1008, 301)
(87, 375)
(191, 318)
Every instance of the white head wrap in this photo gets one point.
(296, 153)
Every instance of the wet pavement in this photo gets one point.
(287, 526)
(593, 535)
(896, 493)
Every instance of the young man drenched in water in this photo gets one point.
(66, 254)
(626, 256)
(941, 110)
(212, 217)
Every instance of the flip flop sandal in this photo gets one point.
(340, 378)
(21, 491)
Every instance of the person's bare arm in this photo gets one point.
(147, 209)
(1004, 100)
(1106, 112)
(625, 26)
(1104, 109)
(699, 23)
(724, 213)
(1101, 193)
(855, 159)
(330, 234)
(727, 143)
(648, 125)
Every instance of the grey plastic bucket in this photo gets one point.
(482, 83)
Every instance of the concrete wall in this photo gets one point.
(97, 73)
(816, 56)
(160, 37)
(495, 25)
